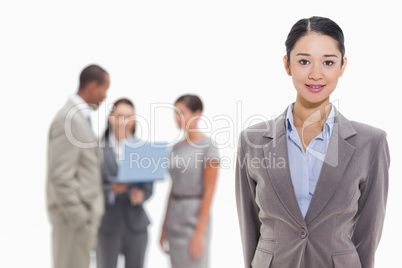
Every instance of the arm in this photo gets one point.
(163, 232)
(63, 161)
(111, 190)
(146, 188)
(140, 192)
(247, 209)
(372, 203)
(109, 173)
(210, 176)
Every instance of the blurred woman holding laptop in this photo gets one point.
(186, 226)
(124, 225)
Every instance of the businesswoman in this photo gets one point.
(124, 224)
(321, 201)
(193, 168)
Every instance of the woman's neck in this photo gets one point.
(194, 135)
(308, 114)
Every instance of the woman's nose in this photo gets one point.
(315, 72)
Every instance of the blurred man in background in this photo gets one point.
(74, 184)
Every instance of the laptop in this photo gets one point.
(143, 162)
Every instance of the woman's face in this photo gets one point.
(122, 119)
(185, 117)
(315, 66)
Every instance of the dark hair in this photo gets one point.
(315, 24)
(115, 104)
(193, 102)
(92, 73)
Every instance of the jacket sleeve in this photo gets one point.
(63, 161)
(247, 209)
(372, 203)
(107, 178)
(147, 188)
(110, 197)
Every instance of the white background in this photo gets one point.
(228, 52)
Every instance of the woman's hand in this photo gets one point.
(162, 241)
(118, 188)
(136, 196)
(197, 245)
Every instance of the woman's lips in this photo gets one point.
(315, 88)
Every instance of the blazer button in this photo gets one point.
(302, 233)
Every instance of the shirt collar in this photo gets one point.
(329, 124)
(289, 119)
(328, 127)
(82, 105)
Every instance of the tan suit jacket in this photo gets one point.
(343, 224)
(74, 183)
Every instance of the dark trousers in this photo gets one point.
(131, 244)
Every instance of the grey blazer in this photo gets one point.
(74, 184)
(122, 211)
(344, 222)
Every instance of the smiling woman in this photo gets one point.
(325, 207)
(315, 64)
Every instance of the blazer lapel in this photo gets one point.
(73, 111)
(335, 163)
(279, 176)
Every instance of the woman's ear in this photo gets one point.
(198, 113)
(286, 65)
(345, 62)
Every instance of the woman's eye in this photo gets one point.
(304, 62)
(328, 62)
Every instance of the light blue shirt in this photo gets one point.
(305, 166)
